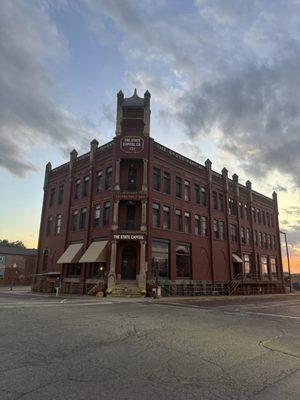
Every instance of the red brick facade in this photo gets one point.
(141, 188)
(17, 265)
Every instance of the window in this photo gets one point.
(74, 270)
(166, 217)
(96, 215)
(106, 213)
(155, 215)
(58, 224)
(49, 226)
(222, 230)
(108, 178)
(243, 235)
(160, 258)
(246, 211)
(256, 238)
(74, 219)
(178, 220)
(85, 187)
(52, 195)
(274, 242)
(178, 187)
(258, 216)
(231, 205)
(260, 239)
(187, 222)
(247, 265)
(241, 207)
(233, 232)
(268, 219)
(60, 194)
(220, 202)
(130, 216)
(215, 200)
(197, 225)
(98, 181)
(204, 226)
(264, 217)
(77, 189)
(203, 197)
(132, 174)
(197, 194)
(265, 244)
(45, 259)
(248, 236)
(187, 191)
(167, 183)
(183, 260)
(216, 229)
(253, 214)
(97, 270)
(272, 220)
(264, 267)
(156, 179)
(82, 222)
(269, 242)
(273, 268)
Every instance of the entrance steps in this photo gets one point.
(126, 289)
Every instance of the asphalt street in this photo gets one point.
(90, 348)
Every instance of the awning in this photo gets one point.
(236, 258)
(71, 255)
(97, 252)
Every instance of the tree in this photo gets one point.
(17, 243)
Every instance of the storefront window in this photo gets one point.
(160, 258)
(273, 267)
(247, 266)
(97, 270)
(183, 260)
(264, 267)
(74, 270)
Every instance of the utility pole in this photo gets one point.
(288, 259)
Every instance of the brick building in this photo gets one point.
(133, 211)
(17, 265)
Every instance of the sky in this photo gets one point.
(223, 76)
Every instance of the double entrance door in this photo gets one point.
(129, 263)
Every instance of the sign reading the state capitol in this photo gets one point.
(128, 236)
(132, 144)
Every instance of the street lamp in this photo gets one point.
(13, 276)
(288, 259)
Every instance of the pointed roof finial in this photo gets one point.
(135, 92)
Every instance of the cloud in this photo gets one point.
(29, 111)
(232, 67)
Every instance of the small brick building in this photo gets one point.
(133, 213)
(17, 265)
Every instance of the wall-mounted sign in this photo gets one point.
(132, 144)
(128, 236)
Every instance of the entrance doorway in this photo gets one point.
(128, 265)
